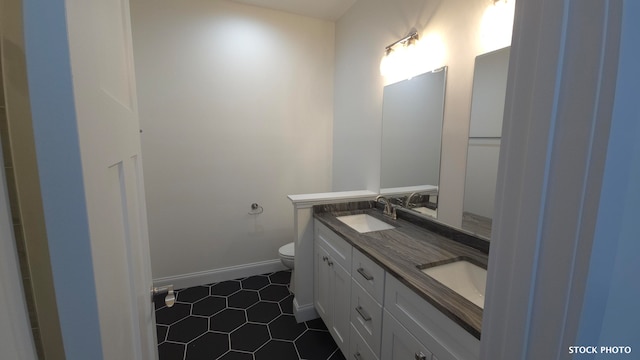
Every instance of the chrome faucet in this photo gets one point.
(389, 210)
(407, 203)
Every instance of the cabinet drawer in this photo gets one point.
(338, 248)
(341, 296)
(369, 275)
(358, 349)
(366, 317)
(399, 344)
(444, 338)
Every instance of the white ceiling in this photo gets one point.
(322, 9)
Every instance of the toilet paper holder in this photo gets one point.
(170, 299)
(256, 209)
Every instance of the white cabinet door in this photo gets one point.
(332, 286)
(399, 344)
(341, 293)
(322, 284)
(332, 296)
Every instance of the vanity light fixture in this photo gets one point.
(406, 41)
(398, 53)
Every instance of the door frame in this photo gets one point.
(55, 128)
(558, 113)
(16, 338)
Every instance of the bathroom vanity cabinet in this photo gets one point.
(372, 315)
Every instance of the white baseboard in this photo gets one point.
(218, 275)
(304, 312)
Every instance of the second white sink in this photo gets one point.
(364, 223)
(462, 277)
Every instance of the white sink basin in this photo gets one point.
(462, 277)
(364, 223)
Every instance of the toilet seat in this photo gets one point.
(287, 251)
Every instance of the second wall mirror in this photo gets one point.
(485, 132)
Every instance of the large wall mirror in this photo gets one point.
(485, 131)
(412, 116)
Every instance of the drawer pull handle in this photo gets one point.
(357, 356)
(324, 258)
(421, 356)
(365, 274)
(363, 313)
(330, 263)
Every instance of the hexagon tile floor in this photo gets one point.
(244, 319)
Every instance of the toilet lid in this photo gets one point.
(287, 250)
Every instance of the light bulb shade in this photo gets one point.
(411, 63)
(391, 61)
(399, 63)
(385, 64)
(496, 25)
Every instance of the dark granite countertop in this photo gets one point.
(399, 251)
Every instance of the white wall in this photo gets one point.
(236, 107)
(361, 36)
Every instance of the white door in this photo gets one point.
(108, 127)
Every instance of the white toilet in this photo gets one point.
(287, 256)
